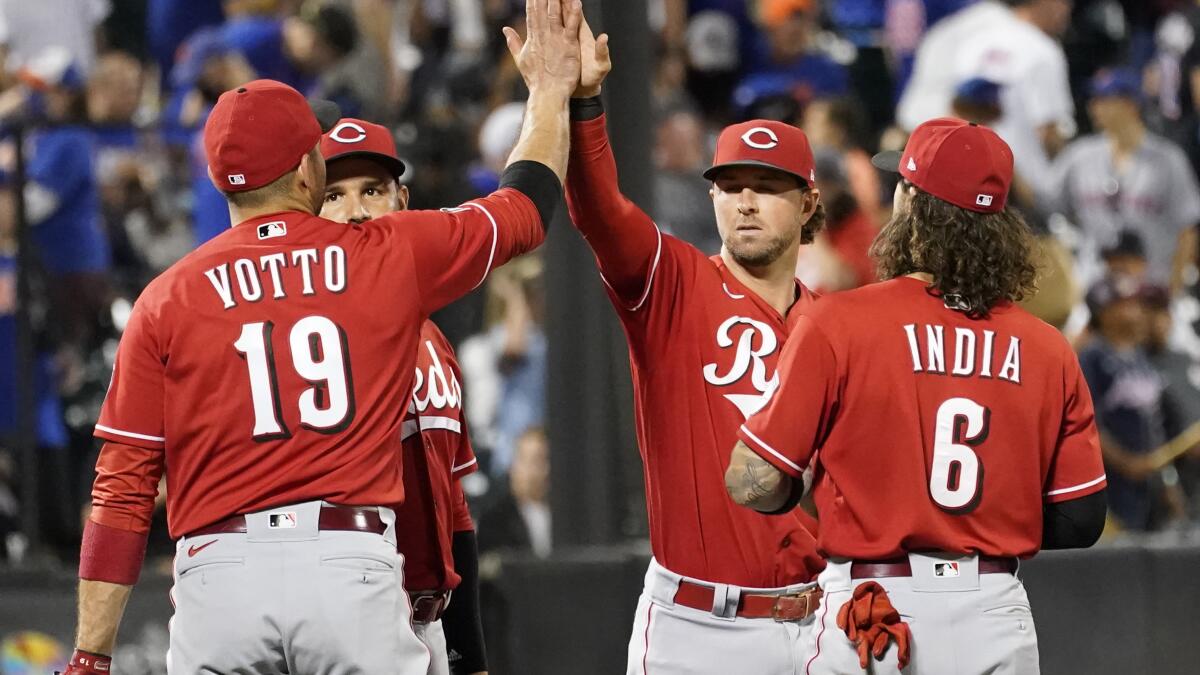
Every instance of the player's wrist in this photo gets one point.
(84, 662)
(585, 92)
(584, 109)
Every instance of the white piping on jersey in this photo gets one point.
(730, 293)
(758, 441)
(649, 277)
(130, 434)
(425, 422)
(1076, 488)
(495, 235)
(460, 467)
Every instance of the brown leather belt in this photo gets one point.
(899, 567)
(344, 518)
(784, 607)
(428, 606)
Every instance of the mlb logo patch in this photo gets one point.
(282, 521)
(983, 200)
(237, 178)
(945, 569)
(275, 228)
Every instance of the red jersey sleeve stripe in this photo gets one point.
(130, 434)
(649, 277)
(495, 235)
(771, 454)
(1077, 488)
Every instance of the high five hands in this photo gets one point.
(560, 52)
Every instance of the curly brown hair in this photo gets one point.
(976, 259)
(816, 223)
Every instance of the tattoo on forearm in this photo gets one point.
(756, 486)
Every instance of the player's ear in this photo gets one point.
(402, 197)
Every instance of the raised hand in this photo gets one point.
(549, 58)
(595, 61)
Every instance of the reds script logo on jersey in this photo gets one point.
(751, 341)
(435, 388)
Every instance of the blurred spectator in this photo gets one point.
(1126, 258)
(836, 123)
(838, 258)
(1127, 393)
(788, 62)
(682, 206)
(27, 28)
(170, 22)
(497, 137)
(62, 202)
(1015, 45)
(1181, 396)
(324, 43)
(519, 519)
(504, 368)
(713, 60)
(1172, 109)
(207, 66)
(9, 517)
(1126, 178)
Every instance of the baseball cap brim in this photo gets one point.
(888, 160)
(394, 165)
(711, 172)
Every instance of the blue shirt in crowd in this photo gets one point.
(71, 239)
(1127, 394)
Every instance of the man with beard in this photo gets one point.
(729, 590)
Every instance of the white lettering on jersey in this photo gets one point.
(251, 280)
(965, 360)
(747, 359)
(437, 388)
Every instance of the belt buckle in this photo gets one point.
(430, 603)
(791, 607)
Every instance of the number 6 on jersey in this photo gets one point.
(320, 356)
(955, 479)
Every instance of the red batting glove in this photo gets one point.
(87, 663)
(871, 622)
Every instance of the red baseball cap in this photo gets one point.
(766, 143)
(956, 161)
(357, 138)
(260, 131)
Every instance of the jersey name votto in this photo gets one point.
(251, 280)
(963, 352)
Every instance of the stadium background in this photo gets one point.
(108, 97)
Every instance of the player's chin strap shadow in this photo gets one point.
(871, 622)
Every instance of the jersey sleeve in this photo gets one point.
(133, 409)
(1077, 468)
(627, 244)
(126, 485)
(462, 514)
(454, 250)
(796, 420)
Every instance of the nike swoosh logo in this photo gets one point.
(193, 550)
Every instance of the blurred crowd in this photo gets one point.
(1100, 101)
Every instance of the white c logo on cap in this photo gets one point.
(336, 134)
(748, 138)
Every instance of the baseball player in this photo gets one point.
(728, 590)
(951, 432)
(437, 535)
(267, 372)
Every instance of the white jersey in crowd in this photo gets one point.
(1156, 196)
(988, 40)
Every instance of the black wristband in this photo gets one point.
(584, 109)
(536, 181)
(461, 622)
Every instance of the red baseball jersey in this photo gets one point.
(930, 431)
(437, 452)
(703, 350)
(273, 364)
